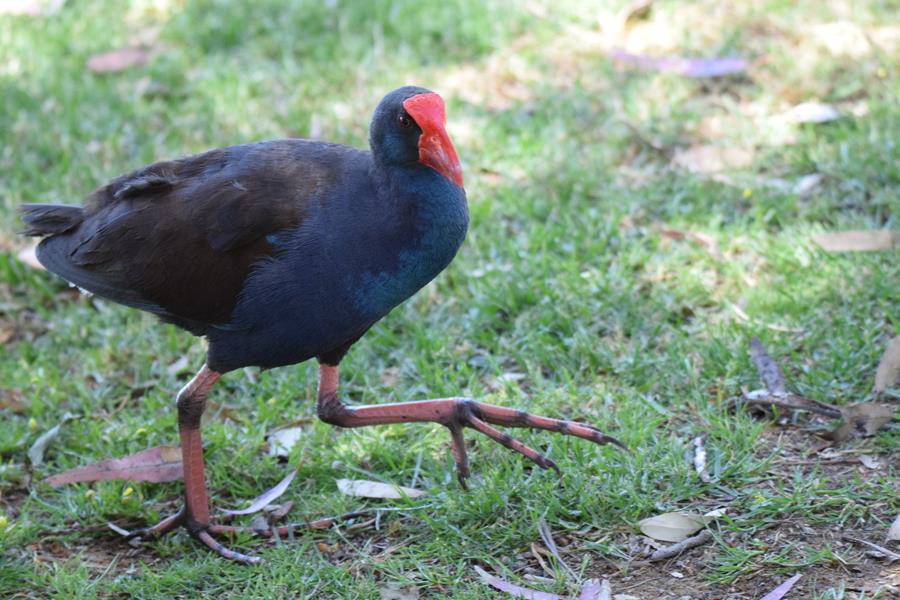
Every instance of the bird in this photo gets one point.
(278, 252)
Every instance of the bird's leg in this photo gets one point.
(454, 414)
(194, 516)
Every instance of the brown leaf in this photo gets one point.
(376, 489)
(779, 592)
(266, 498)
(11, 401)
(888, 371)
(162, 463)
(118, 60)
(858, 241)
(704, 239)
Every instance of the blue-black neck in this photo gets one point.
(428, 222)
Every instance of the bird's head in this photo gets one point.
(408, 127)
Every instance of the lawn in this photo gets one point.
(631, 231)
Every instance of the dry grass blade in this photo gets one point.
(779, 592)
(516, 591)
(547, 537)
(700, 459)
(888, 554)
(267, 497)
(162, 463)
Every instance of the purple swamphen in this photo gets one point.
(278, 252)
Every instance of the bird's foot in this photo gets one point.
(201, 531)
(480, 416)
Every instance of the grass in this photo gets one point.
(568, 297)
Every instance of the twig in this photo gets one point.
(547, 536)
(889, 554)
(675, 549)
(700, 459)
(791, 402)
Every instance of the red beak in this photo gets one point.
(435, 148)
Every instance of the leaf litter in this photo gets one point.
(157, 464)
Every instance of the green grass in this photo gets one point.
(565, 280)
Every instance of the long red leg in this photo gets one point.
(453, 413)
(195, 514)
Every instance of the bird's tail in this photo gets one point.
(49, 219)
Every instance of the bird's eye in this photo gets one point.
(404, 120)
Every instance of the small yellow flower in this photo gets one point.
(32, 423)
(747, 193)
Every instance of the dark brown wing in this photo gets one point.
(179, 238)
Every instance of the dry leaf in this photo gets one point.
(812, 112)
(708, 159)
(516, 591)
(282, 441)
(689, 67)
(29, 257)
(266, 498)
(779, 592)
(118, 60)
(376, 489)
(36, 452)
(869, 462)
(672, 527)
(392, 591)
(858, 241)
(888, 367)
(894, 532)
(594, 589)
(162, 463)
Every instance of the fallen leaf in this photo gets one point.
(36, 452)
(779, 592)
(161, 463)
(282, 441)
(29, 257)
(118, 60)
(11, 401)
(672, 527)
(858, 241)
(392, 591)
(516, 591)
(266, 498)
(707, 159)
(595, 590)
(550, 543)
(812, 112)
(376, 489)
(869, 462)
(689, 67)
(704, 239)
(888, 371)
(894, 532)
